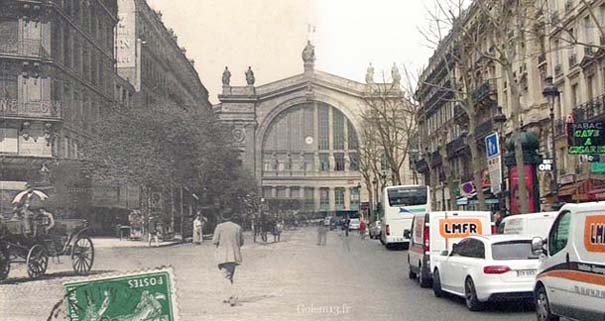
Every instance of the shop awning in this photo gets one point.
(584, 190)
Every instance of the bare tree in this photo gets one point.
(369, 153)
(391, 117)
(498, 32)
(454, 44)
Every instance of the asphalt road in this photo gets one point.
(349, 279)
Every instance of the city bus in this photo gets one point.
(399, 205)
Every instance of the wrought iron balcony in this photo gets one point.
(435, 159)
(11, 107)
(591, 109)
(484, 129)
(485, 90)
(455, 146)
(23, 48)
(541, 58)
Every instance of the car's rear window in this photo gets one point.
(513, 250)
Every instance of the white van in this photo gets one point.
(435, 232)
(400, 204)
(533, 224)
(571, 277)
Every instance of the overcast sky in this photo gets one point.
(269, 35)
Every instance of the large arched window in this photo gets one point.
(310, 138)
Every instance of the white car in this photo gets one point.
(482, 268)
(354, 224)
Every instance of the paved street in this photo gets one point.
(291, 280)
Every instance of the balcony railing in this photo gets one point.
(590, 110)
(25, 48)
(485, 90)
(483, 130)
(455, 146)
(541, 58)
(10, 107)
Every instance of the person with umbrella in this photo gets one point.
(24, 201)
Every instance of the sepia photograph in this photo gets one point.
(277, 160)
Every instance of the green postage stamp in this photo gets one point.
(144, 296)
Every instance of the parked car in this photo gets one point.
(354, 224)
(571, 276)
(484, 268)
(531, 225)
(374, 229)
(435, 232)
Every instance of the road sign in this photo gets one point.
(597, 167)
(495, 174)
(492, 147)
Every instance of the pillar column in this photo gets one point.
(332, 199)
(348, 198)
(332, 161)
(316, 136)
(317, 194)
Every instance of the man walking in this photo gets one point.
(228, 239)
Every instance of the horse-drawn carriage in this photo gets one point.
(48, 238)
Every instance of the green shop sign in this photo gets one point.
(587, 138)
(597, 167)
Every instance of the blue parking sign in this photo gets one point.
(492, 147)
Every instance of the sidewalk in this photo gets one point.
(112, 242)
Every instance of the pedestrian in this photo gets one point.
(197, 231)
(322, 232)
(362, 229)
(347, 224)
(228, 239)
(277, 229)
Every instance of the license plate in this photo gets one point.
(523, 273)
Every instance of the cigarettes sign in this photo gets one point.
(586, 138)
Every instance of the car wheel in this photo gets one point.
(411, 274)
(543, 307)
(437, 284)
(423, 278)
(470, 295)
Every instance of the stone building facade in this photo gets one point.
(578, 70)
(149, 57)
(57, 76)
(299, 136)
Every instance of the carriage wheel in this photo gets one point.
(82, 255)
(5, 264)
(37, 261)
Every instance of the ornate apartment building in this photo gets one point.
(578, 67)
(57, 76)
(149, 57)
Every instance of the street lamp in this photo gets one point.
(375, 209)
(500, 119)
(551, 92)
